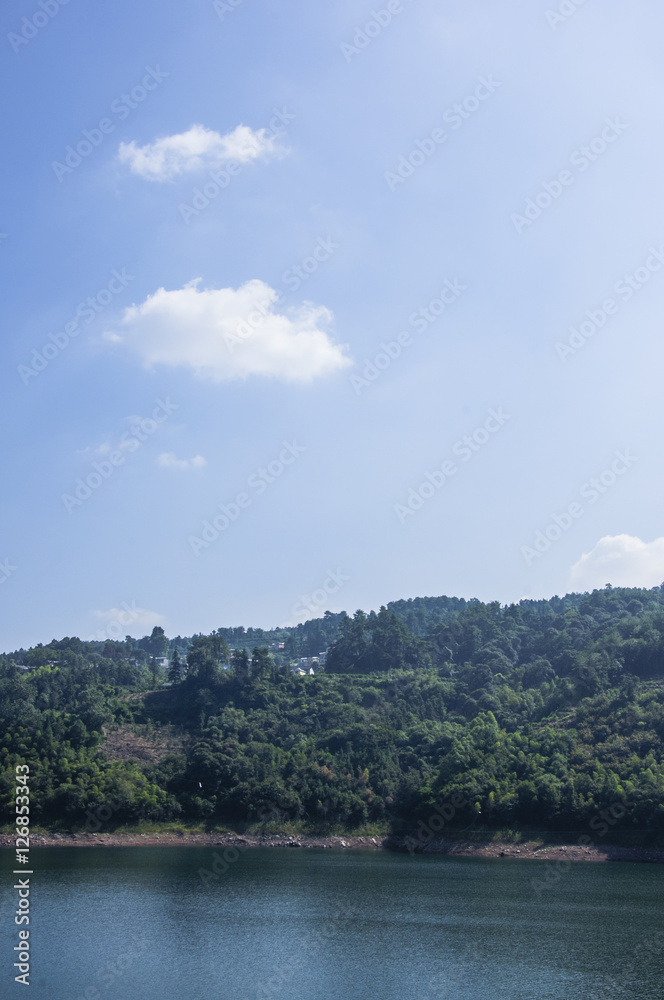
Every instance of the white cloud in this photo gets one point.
(130, 441)
(622, 561)
(168, 460)
(95, 451)
(225, 333)
(128, 620)
(131, 614)
(197, 149)
(111, 444)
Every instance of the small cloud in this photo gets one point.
(96, 451)
(197, 149)
(129, 441)
(131, 614)
(116, 623)
(224, 334)
(622, 561)
(168, 460)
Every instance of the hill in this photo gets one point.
(432, 712)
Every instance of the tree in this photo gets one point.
(158, 643)
(261, 662)
(155, 644)
(202, 661)
(347, 655)
(241, 664)
(292, 645)
(175, 668)
(219, 648)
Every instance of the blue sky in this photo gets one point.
(344, 372)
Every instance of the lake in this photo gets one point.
(279, 924)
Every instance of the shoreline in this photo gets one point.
(528, 850)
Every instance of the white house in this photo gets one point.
(308, 662)
(304, 668)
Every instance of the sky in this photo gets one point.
(313, 307)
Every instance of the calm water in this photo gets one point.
(300, 925)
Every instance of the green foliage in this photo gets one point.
(175, 668)
(156, 644)
(52, 721)
(544, 714)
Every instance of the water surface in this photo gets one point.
(121, 923)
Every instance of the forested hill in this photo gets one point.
(543, 714)
(420, 614)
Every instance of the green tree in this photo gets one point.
(219, 648)
(202, 661)
(241, 664)
(158, 643)
(175, 669)
(261, 662)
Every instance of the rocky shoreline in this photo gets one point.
(532, 850)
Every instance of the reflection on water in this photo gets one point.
(304, 925)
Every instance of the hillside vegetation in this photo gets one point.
(544, 714)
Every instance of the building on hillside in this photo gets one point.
(308, 661)
(306, 665)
